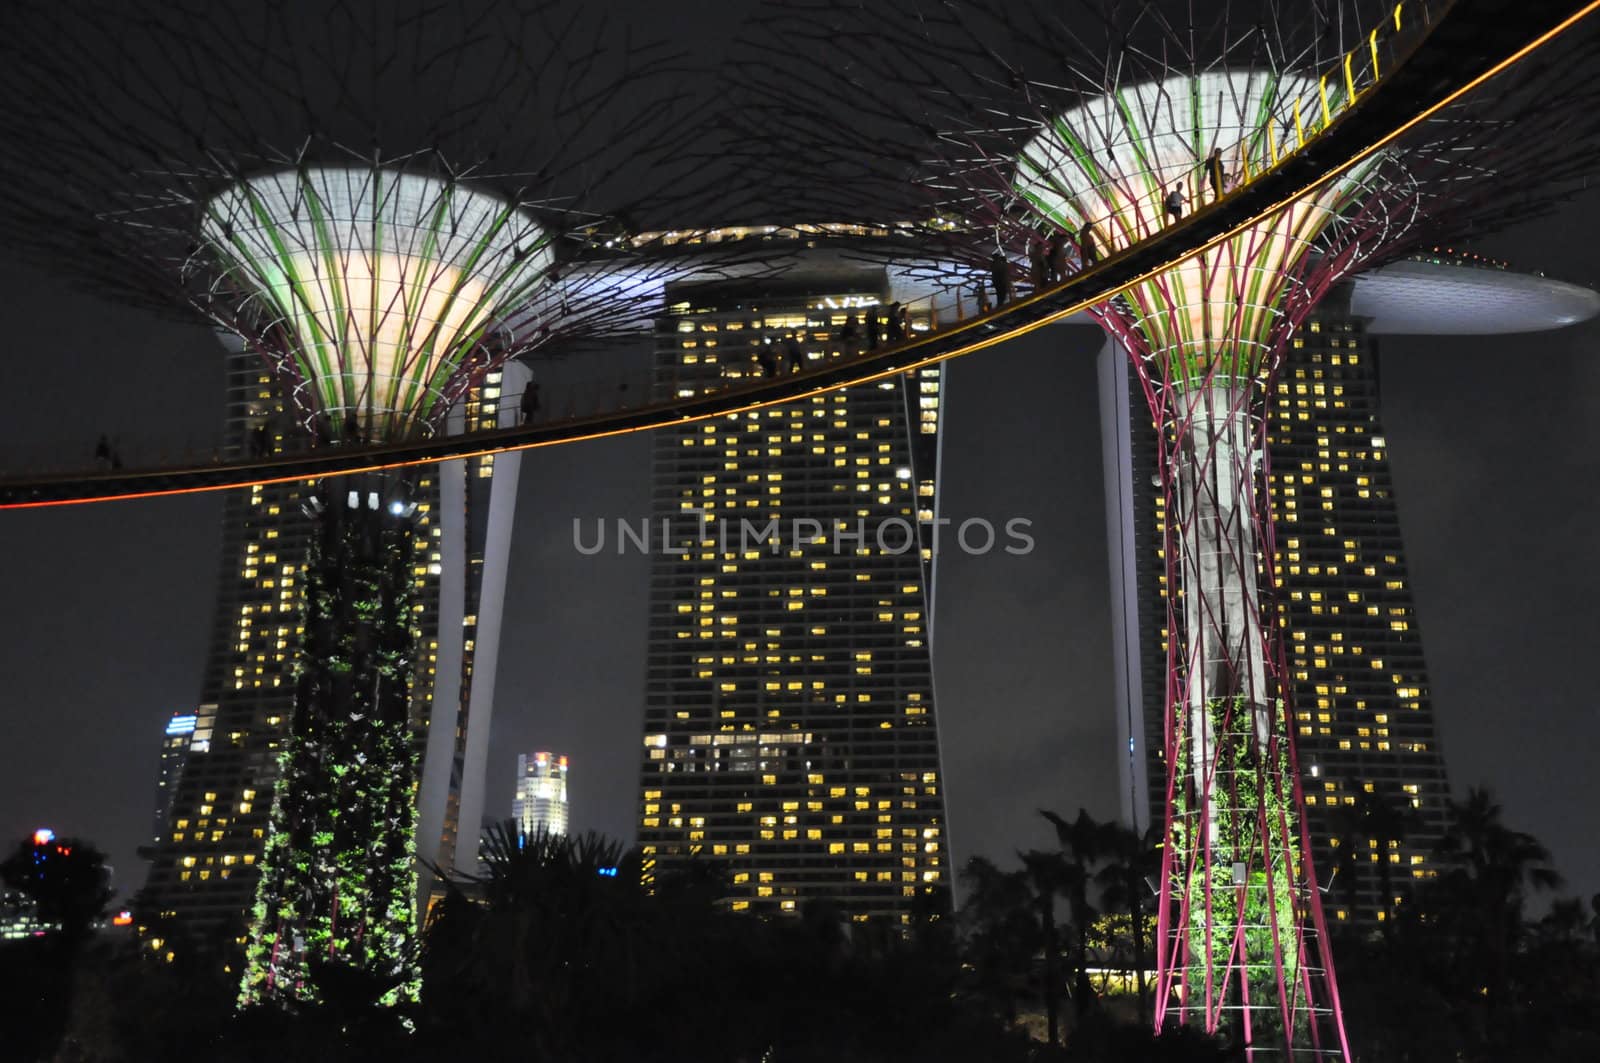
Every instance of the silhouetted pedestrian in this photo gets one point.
(1214, 174)
(850, 333)
(259, 441)
(768, 360)
(530, 401)
(873, 333)
(982, 294)
(102, 452)
(1088, 247)
(1174, 202)
(1038, 262)
(794, 353)
(897, 324)
(1000, 277)
(1056, 254)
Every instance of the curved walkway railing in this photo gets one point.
(1432, 60)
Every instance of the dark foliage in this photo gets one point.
(550, 957)
(65, 877)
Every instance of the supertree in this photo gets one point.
(1016, 142)
(386, 202)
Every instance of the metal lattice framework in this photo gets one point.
(386, 202)
(1032, 143)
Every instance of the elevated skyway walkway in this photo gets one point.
(1431, 56)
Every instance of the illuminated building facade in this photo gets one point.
(1365, 729)
(174, 750)
(1370, 760)
(541, 800)
(19, 916)
(203, 866)
(789, 726)
(219, 763)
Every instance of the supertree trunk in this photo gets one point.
(338, 884)
(1243, 949)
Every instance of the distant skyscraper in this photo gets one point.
(1367, 742)
(541, 801)
(174, 750)
(789, 711)
(1361, 698)
(19, 916)
(218, 778)
(202, 875)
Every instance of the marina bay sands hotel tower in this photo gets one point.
(789, 719)
(204, 857)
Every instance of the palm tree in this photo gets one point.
(541, 942)
(1132, 867)
(1085, 842)
(1000, 934)
(1493, 853)
(1492, 867)
(1373, 817)
(1388, 820)
(1046, 875)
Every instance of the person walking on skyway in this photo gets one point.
(1038, 262)
(1056, 255)
(530, 401)
(1214, 173)
(850, 333)
(1000, 275)
(1174, 202)
(1088, 249)
(897, 322)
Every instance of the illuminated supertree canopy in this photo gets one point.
(386, 202)
(1028, 143)
(1105, 171)
(382, 283)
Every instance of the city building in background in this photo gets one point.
(174, 750)
(19, 916)
(203, 872)
(219, 763)
(1367, 742)
(541, 802)
(789, 722)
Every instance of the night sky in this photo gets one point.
(1496, 452)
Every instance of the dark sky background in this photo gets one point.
(105, 609)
